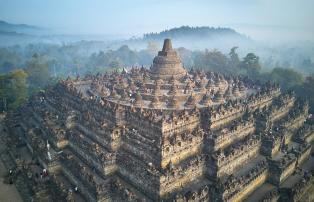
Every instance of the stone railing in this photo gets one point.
(83, 172)
(225, 137)
(237, 151)
(271, 143)
(177, 142)
(176, 123)
(234, 186)
(302, 152)
(200, 194)
(173, 171)
(282, 168)
(304, 134)
(272, 195)
(301, 187)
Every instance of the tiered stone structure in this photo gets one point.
(170, 134)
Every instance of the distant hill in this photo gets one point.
(189, 37)
(11, 33)
(7, 28)
(194, 38)
(185, 32)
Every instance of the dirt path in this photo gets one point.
(8, 192)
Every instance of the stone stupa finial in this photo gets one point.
(167, 64)
(167, 45)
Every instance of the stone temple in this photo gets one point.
(168, 134)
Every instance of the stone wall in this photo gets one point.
(225, 164)
(282, 168)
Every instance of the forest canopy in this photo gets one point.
(27, 69)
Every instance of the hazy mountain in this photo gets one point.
(20, 28)
(11, 34)
(196, 38)
(194, 32)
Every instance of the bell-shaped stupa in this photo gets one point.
(167, 64)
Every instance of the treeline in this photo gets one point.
(287, 78)
(18, 84)
(13, 89)
(74, 59)
(27, 71)
(191, 32)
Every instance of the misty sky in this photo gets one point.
(260, 19)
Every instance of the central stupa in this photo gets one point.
(167, 64)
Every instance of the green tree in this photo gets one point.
(13, 89)
(38, 73)
(306, 90)
(9, 60)
(250, 64)
(286, 77)
(116, 63)
(126, 56)
(212, 60)
(234, 57)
